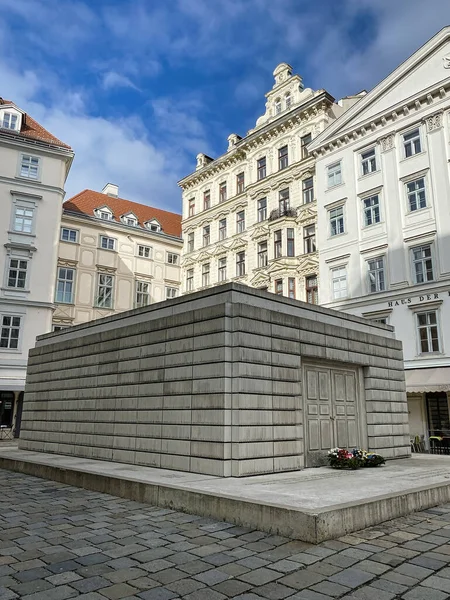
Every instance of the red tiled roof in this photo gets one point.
(33, 130)
(87, 201)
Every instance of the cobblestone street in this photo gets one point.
(59, 542)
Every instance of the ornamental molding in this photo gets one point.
(435, 121)
(387, 143)
(260, 279)
(64, 262)
(221, 249)
(260, 232)
(103, 269)
(204, 256)
(446, 61)
(308, 265)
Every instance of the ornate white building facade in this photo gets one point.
(250, 215)
(383, 189)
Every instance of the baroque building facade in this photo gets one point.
(383, 188)
(34, 166)
(250, 215)
(114, 255)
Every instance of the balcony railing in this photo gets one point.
(284, 212)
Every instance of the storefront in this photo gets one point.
(11, 404)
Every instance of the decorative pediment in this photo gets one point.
(282, 265)
(188, 262)
(238, 244)
(204, 256)
(260, 279)
(308, 264)
(239, 206)
(307, 214)
(260, 231)
(221, 249)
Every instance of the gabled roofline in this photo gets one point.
(337, 128)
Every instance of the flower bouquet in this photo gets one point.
(341, 458)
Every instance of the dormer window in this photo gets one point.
(9, 121)
(153, 225)
(104, 213)
(130, 219)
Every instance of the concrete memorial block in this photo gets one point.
(229, 381)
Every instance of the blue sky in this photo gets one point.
(139, 87)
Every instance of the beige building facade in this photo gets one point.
(114, 255)
(250, 215)
(33, 169)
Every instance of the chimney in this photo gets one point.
(111, 189)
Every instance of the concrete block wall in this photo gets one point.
(208, 383)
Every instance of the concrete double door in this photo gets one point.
(332, 409)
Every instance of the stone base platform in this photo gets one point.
(312, 505)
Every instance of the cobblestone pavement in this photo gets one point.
(59, 542)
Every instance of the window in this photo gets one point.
(262, 209)
(277, 244)
(240, 183)
(60, 327)
(308, 190)
(189, 280)
(9, 121)
(171, 292)
(205, 274)
(279, 287)
(222, 229)
(428, 331)
(153, 226)
(142, 294)
(206, 199)
(309, 239)
(311, 289)
(10, 331)
(262, 254)
(145, 251)
(206, 235)
(339, 282)
(291, 287)
(304, 141)
(371, 209)
(290, 242)
(283, 161)
(105, 290)
(23, 219)
(368, 161)
(336, 220)
(222, 269)
(191, 209)
(173, 259)
(131, 221)
(107, 243)
(190, 242)
(65, 285)
(222, 192)
(29, 166)
(416, 194)
(334, 174)
(283, 201)
(69, 235)
(240, 221)
(240, 264)
(277, 106)
(422, 264)
(17, 273)
(261, 168)
(376, 274)
(104, 215)
(288, 101)
(411, 143)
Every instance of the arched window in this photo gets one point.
(288, 100)
(277, 106)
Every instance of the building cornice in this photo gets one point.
(34, 185)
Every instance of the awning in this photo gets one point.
(428, 380)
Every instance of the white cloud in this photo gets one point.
(111, 80)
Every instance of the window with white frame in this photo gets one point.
(222, 229)
(142, 294)
(29, 166)
(339, 282)
(309, 239)
(376, 274)
(278, 243)
(69, 235)
(291, 287)
(411, 143)
(262, 254)
(206, 270)
(107, 243)
(10, 332)
(153, 226)
(334, 174)
(206, 235)
(222, 269)
(277, 106)
(422, 259)
(65, 285)
(130, 220)
(189, 280)
(240, 264)
(190, 242)
(308, 190)
(283, 158)
(416, 194)
(240, 221)
(427, 327)
(368, 161)
(262, 209)
(173, 259)
(261, 168)
(145, 251)
(283, 201)
(371, 208)
(105, 289)
(279, 287)
(23, 219)
(17, 273)
(171, 292)
(336, 217)
(9, 121)
(288, 100)
(103, 214)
